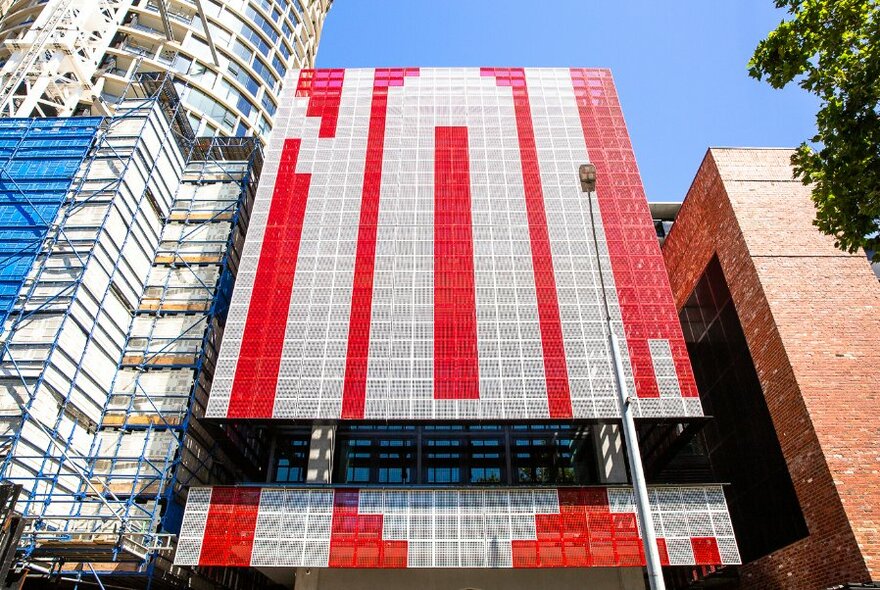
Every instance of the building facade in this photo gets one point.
(419, 325)
(782, 328)
(229, 58)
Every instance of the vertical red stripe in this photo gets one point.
(230, 527)
(646, 306)
(456, 370)
(555, 369)
(256, 374)
(355, 386)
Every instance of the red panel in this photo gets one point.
(256, 374)
(355, 387)
(356, 539)
(705, 551)
(230, 526)
(584, 534)
(555, 369)
(456, 369)
(646, 304)
(325, 89)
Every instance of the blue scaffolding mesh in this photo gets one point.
(38, 161)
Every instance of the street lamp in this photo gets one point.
(587, 174)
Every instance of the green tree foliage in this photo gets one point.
(832, 49)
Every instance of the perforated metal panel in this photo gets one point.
(420, 248)
(572, 527)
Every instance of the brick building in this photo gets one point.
(782, 329)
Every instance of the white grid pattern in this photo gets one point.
(472, 528)
(233, 332)
(192, 530)
(293, 526)
(664, 368)
(680, 513)
(559, 139)
(315, 343)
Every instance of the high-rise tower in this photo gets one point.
(63, 57)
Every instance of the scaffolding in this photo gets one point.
(109, 346)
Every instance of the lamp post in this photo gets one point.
(587, 174)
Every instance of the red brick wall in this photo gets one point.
(811, 315)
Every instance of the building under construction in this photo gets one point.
(121, 241)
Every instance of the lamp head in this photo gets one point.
(587, 173)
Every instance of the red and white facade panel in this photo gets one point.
(490, 528)
(420, 248)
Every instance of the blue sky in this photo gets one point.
(679, 65)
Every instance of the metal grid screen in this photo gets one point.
(420, 248)
(572, 527)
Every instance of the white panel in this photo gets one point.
(192, 531)
(508, 336)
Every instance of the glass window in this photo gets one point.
(261, 22)
(199, 48)
(548, 454)
(264, 4)
(263, 128)
(181, 63)
(199, 101)
(485, 460)
(291, 458)
(472, 454)
(243, 78)
(285, 52)
(380, 458)
(441, 460)
(266, 74)
(200, 73)
(242, 51)
(268, 104)
(279, 66)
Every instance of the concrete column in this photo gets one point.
(610, 458)
(320, 466)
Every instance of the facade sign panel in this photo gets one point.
(420, 248)
(490, 528)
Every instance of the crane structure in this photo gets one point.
(53, 63)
